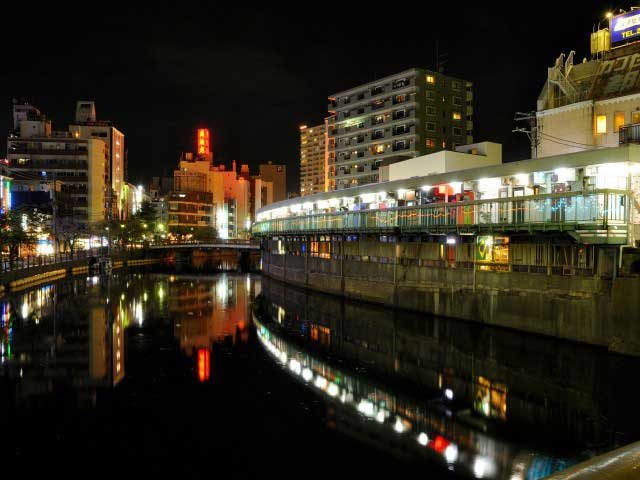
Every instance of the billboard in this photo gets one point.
(625, 28)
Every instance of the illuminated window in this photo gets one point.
(601, 124)
(635, 117)
(456, 115)
(431, 143)
(618, 121)
(379, 148)
(431, 79)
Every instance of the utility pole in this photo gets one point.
(531, 130)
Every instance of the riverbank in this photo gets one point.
(24, 278)
(593, 310)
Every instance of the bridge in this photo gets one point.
(241, 246)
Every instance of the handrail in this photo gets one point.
(469, 202)
(472, 207)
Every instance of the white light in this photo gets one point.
(307, 374)
(398, 426)
(451, 453)
(320, 382)
(423, 439)
(283, 357)
(294, 366)
(380, 416)
(449, 394)
(366, 407)
(333, 390)
(522, 178)
(426, 188)
(482, 467)
(451, 240)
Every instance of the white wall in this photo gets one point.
(442, 162)
(572, 128)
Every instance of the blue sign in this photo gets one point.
(625, 28)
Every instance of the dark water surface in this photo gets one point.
(173, 374)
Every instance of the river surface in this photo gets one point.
(194, 374)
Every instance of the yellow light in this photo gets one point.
(601, 124)
(609, 15)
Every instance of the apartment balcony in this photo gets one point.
(23, 149)
(629, 133)
(30, 164)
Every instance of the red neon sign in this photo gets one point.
(203, 141)
(204, 364)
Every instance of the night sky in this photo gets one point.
(254, 75)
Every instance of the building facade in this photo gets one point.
(313, 159)
(5, 194)
(277, 175)
(86, 125)
(589, 104)
(224, 198)
(57, 170)
(401, 116)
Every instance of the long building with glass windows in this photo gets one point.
(544, 245)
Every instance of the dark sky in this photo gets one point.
(254, 75)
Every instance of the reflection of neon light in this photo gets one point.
(204, 365)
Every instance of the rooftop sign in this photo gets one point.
(625, 28)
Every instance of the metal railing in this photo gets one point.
(629, 133)
(565, 211)
(35, 261)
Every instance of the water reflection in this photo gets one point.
(489, 402)
(482, 402)
(60, 336)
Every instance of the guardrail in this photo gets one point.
(565, 211)
(35, 261)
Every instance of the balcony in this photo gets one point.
(629, 133)
(601, 216)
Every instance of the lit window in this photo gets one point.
(431, 79)
(431, 143)
(601, 124)
(456, 115)
(618, 121)
(635, 117)
(379, 148)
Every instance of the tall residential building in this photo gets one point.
(593, 103)
(401, 116)
(276, 174)
(313, 159)
(53, 168)
(87, 125)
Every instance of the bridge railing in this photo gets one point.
(594, 209)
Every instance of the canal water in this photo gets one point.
(195, 374)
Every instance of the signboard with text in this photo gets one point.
(625, 28)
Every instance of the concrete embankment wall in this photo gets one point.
(21, 279)
(593, 310)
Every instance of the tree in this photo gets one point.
(19, 228)
(68, 230)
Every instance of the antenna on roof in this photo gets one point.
(441, 58)
(531, 129)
